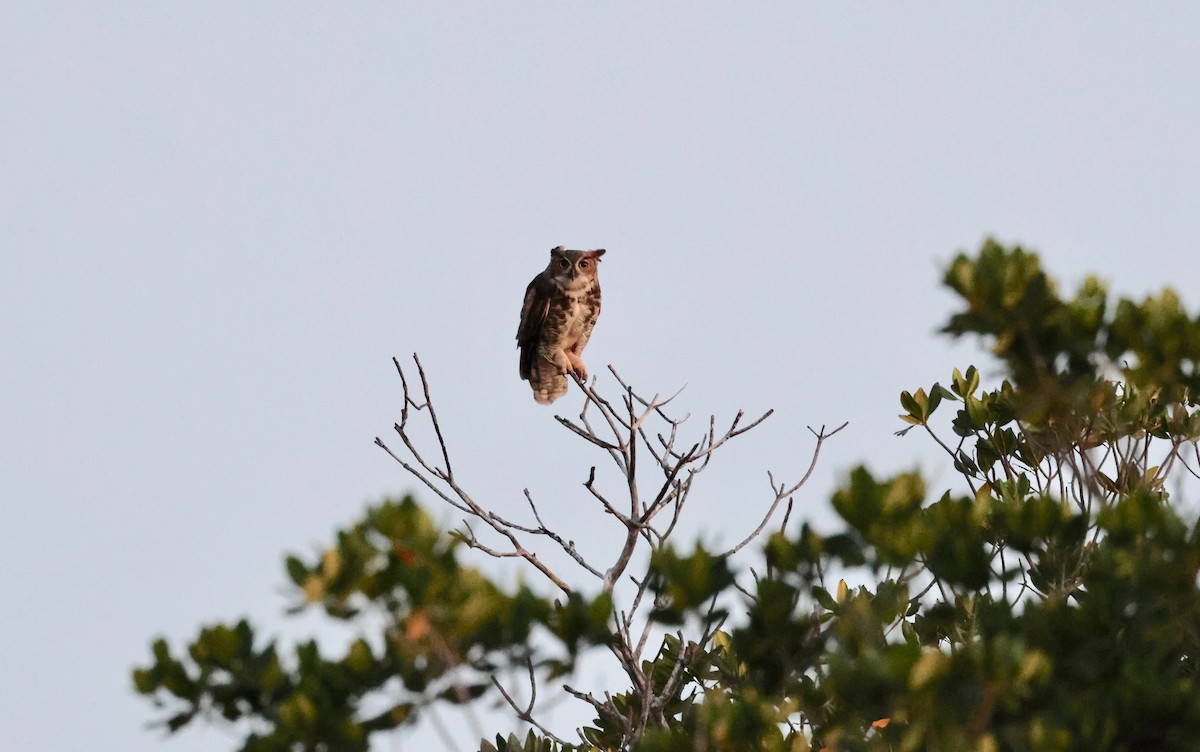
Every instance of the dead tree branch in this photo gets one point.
(646, 445)
(463, 500)
(782, 493)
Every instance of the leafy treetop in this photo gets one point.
(1048, 600)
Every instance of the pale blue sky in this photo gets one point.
(219, 221)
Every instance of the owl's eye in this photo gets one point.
(583, 264)
(564, 263)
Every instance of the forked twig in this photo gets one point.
(464, 501)
(526, 714)
(782, 493)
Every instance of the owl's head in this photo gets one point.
(573, 266)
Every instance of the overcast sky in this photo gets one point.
(219, 221)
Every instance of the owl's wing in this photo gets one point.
(533, 317)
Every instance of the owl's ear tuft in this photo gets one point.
(596, 254)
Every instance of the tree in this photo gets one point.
(1048, 601)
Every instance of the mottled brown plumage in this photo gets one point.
(561, 307)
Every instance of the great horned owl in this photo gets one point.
(561, 307)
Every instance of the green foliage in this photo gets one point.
(531, 743)
(1047, 601)
(687, 585)
(1058, 603)
(442, 619)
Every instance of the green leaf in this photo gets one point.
(965, 385)
(143, 681)
(179, 720)
(936, 394)
(977, 410)
(296, 570)
(827, 601)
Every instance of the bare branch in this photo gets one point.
(782, 493)
(587, 435)
(422, 478)
(657, 407)
(660, 461)
(437, 427)
(787, 515)
(463, 502)
(568, 546)
(614, 572)
(590, 485)
(526, 714)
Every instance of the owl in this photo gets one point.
(561, 307)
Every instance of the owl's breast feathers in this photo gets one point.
(586, 309)
(563, 314)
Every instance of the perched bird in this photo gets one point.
(561, 307)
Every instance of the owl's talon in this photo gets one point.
(577, 367)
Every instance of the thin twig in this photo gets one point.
(568, 546)
(437, 427)
(782, 493)
(527, 714)
(587, 435)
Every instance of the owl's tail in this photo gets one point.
(547, 383)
